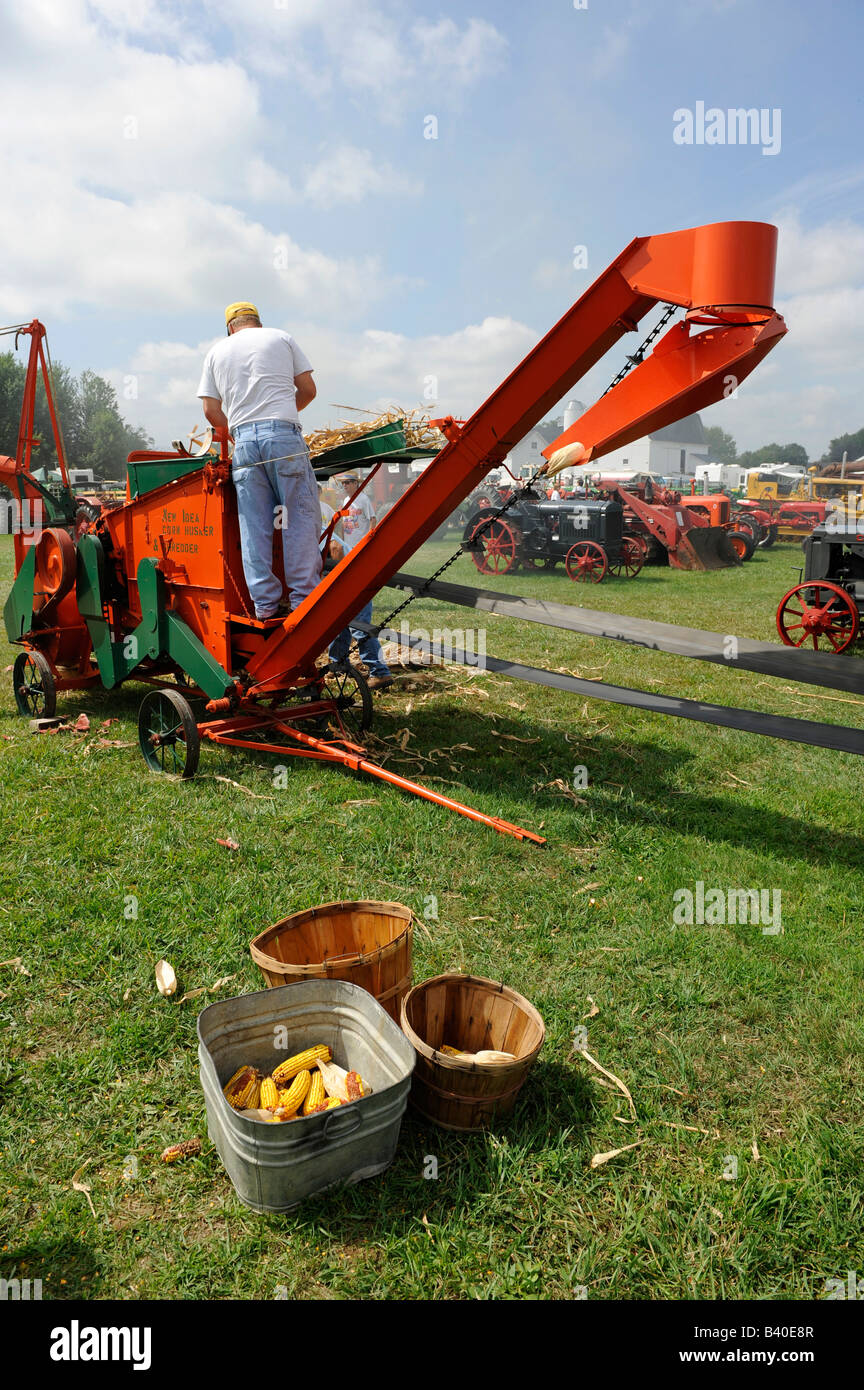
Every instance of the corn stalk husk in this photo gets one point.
(419, 433)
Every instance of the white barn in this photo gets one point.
(674, 451)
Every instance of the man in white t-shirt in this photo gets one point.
(256, 382)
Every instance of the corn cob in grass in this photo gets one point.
(242, 1091)
(292, 1097)
(316, 1094)
(302, 1061)
(269, 1098)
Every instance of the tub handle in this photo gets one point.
(351, 1122)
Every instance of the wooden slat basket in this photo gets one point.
(368, 943)
(473, 1015)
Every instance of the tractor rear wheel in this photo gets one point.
(631, 558)
(819, 612)
(586, 562)
(769, 537)
(34, 686)
(744, 522)
(496, 547)
(168, 734)
(639, 540)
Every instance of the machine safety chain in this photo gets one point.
(635, 358)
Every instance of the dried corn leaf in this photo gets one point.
(599, 1159)
(83, 1186)
(611, 1075)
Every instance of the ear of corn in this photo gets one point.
(269, 1094)
(302, 1061)
(292, 1097)
(316, 1094)
(354, 1086)
(242, 1091)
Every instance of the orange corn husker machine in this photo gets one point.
(152, 589)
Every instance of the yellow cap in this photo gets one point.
(235, 310)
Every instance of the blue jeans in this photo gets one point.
(368, 646)
(276, 491)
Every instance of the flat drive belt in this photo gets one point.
(834, 736)
(807, 667)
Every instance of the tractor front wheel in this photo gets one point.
(822, 613)
(586, 563)
(168, 734)
(34, 685)
(742, 543)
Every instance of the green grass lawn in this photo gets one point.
(735, 1044)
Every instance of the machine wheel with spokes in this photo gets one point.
(631, 558)
(586, 563)
(34, 685)
(168, 734)
(495, 547)
(346, 686)
(821, 613)
(642, 541)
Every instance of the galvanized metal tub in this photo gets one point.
(273, 1167)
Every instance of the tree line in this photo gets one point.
(723, 449)
(95, 434)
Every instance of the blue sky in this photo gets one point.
(182, 156)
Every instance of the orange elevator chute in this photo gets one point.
(722, 274)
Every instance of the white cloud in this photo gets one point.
(451, 55)
(169, 253)
(347, 175)
(369, 50)
(829, 256)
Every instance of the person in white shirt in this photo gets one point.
(356, 524)
(255, 383)
(554, 495)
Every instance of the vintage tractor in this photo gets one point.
(716, 509)
(588, 536)
(669, 532)
(824, 610)
(151, 589)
